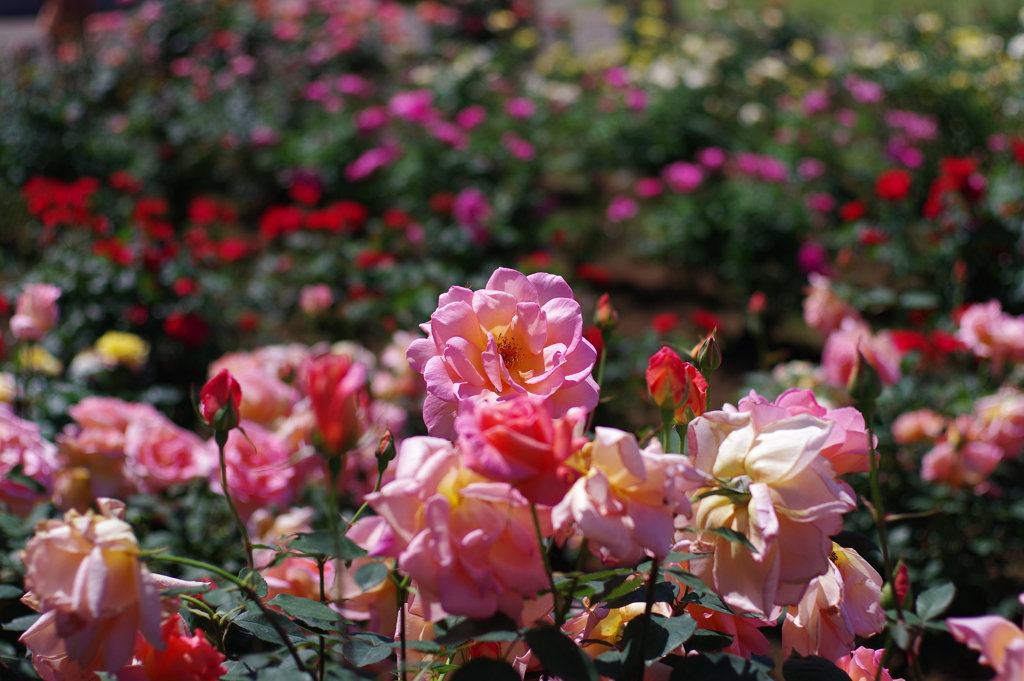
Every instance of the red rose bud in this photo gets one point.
(219, 401)
(901, 583)
(675, 384)
(606, 317)
(336, 385)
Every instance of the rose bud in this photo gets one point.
(220, 400)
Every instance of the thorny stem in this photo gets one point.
(248, 591)
(222, 440)
(547, 561)
(645, 624)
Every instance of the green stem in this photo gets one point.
(320, 562)
(366, 504)
(403, 598)
(206, 609)
(222, 439)
(667, 420)
(567, 604)
(877, 502)
(645, 624)
(248, 591)
(600, 376)
(555, 595)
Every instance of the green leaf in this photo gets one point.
(664, 634)
(365, 649)
(901, 636)
(717, 667)
(454, 631)
(255, 580)
(485, 669)
(21, 623)
(559, 655)
(370, 575)
(812, 668)
(664, 592)
(934, 602)
(732, 535)
(322, 543)
(256, 623)
(705, 640)
(278, 674)
(179, 590)
(689, 579)
(311, 613)
(707, 599)
(9, 591)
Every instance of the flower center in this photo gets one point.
(511, 352)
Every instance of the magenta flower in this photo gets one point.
(415, 106)
(711, 158)
(517, 335)
(471, 117)
(622, 208)
(472, 210)
(369, 162)
(520, 107)
(682, 177)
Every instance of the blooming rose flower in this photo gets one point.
(415, 106)
(626, 502)
(297, 576)
(1000, 420)
(847, 447)
(1000, 642)
(824, 311)
(22, 445)
(863, 663)
(959, 458)
(517, 335)
(468, 543)
(839, 357)
(84, 575)
(181, 657)
(260, 473)
(923, 425)
(315, 299)
(842, 603)
(989, 332)
(782, 496)
(109, 412)
(517, 441)
(115, 347)
(160, 454)
(36, 313)
(622, 208)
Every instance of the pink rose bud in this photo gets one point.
(606, 317)
(901, 583)
(36, 313)
(220, 400)
(675, 384)
(335, 385)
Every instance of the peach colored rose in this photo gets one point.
(1000, 420)
(160, 454)
(992, 334)
(839, 356)
(377, 605)
(276, 529)
(83, 573)
(297, 576)
(315, 299)
(778, 491)
(109, 412)
(824, 311)
(960, 459)
(36, 313)
(1000, 642)
(517, 441)
(626, 502)
(847, 447)
(259, 469)
(842, 603)
(22, 445)
(467, 543)
(517, 335)
(863, 665)
(923, 425)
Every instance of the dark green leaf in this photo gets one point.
(21, 623)
(705, 640)
(664, 592)
(180, 590)
(453, 631)
(321, 543)
(675, 557)
(485, 669)
(278, 674)
(934, 602)
(901, 636)
(664, 634)
(707, 599)
(733, 536)
(812, 668)
(717, 667)
(8, 591)
(256, 623)
(559, 655)
(311, 613)
(370, 575)
(255, 580)
(689, 579)
(365, 649)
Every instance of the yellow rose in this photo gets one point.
(36, 358)
(116, 347)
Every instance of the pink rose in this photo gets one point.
(297, 576)
(518, 442)
(265, 397)
(847, 445)
(36, 313)
(516, 335)
(863, 665)
(520, 107)
(472, 210)
(682, 177)
(824, 311)
(1000, 420)
(711, 158)
(449, 133)
(471, 117)
(648, 187)
(83, 573)
(517, 146)
(923, 425)
(1000, 642)
(840, 353)
(415, 106)
(622, 208)
(22, 445)
(371, 119)
(369, 162)
(315, 299)
(626, 502)
(109, 412)
(991, 333)
(160, 454)
(260, 473)
(958, 458)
